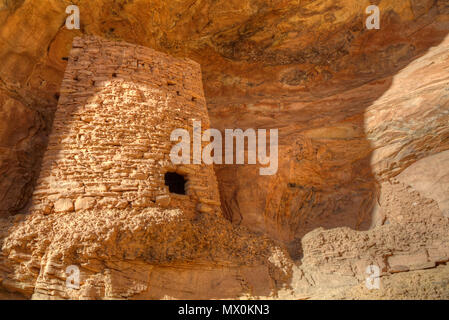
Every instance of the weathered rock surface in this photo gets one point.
(131, 253)
(412, 235)
(430, 176)
(355, 108)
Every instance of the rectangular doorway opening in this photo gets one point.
(175, 182)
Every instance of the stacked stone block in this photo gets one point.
(110, 142)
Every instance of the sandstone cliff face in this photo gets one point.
(362, 115)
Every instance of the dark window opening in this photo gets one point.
(114, 75)
(175, 182)
(65, 58)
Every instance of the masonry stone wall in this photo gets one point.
(110, 142)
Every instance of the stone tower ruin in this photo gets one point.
(110, 143)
